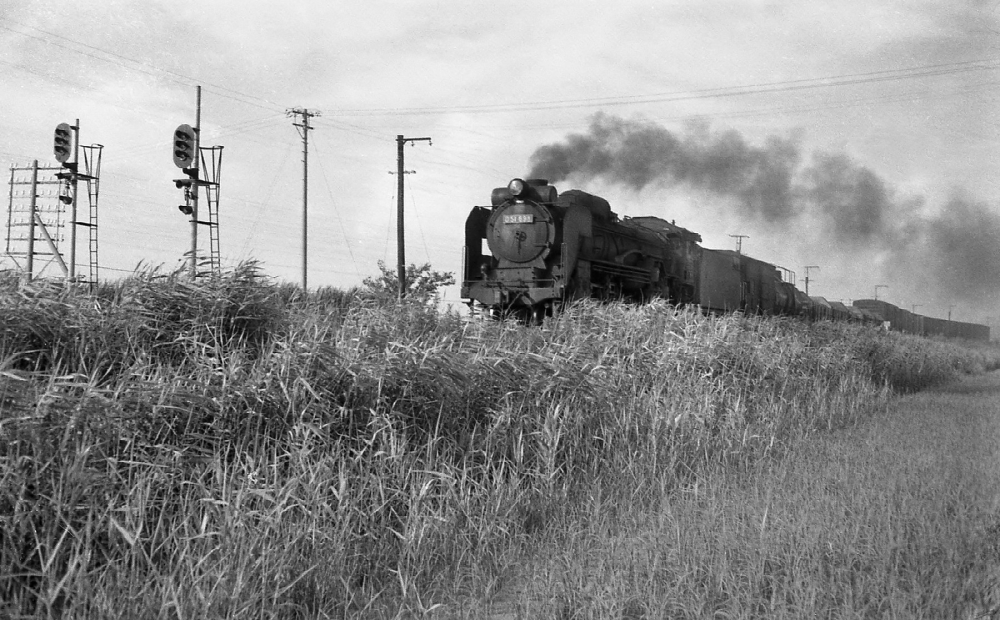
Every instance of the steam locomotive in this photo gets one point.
(544, 249)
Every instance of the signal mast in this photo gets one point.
(195, 161)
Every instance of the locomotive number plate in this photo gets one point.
(520, 218)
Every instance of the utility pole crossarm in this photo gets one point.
(739, 242)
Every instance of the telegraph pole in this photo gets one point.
(400, 239)
(808, 267)
(304, 128)
(739, 242)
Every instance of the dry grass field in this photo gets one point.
(897, 517)
(236, 449)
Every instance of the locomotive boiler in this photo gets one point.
(544, 248)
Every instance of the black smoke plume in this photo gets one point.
(956, 251)
(965, 239)
(639, 153)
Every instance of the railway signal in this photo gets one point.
(186, 185)
(185, 144)
(185, 150)
(203, 168)
(63, 142)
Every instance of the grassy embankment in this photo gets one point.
(234, 449)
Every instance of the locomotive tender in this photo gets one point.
(544, 249)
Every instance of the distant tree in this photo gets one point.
(422, 283)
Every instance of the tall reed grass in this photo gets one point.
(235, 448)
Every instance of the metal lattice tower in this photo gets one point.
(36, 216)
(47, 192)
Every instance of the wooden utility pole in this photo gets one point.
(400, 239)
(739, 242)
(808, 267)
(304, 128)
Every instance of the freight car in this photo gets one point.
(534, 249)
(898, 319)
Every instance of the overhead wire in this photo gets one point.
(769, 87)
(388, 227)
(156, 70)
(340, 222)
(267, 199)
(730, 91)
(416, 217)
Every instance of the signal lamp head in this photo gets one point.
(63, 142)
(184, 146)
(185, 209)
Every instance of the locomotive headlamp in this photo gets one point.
(516, 187)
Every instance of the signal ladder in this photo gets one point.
(92, 177)
(212, 167)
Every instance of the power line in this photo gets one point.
(729, 91)
(347, 242)
(157, 71)
(416, 216)
(267, 198)
(849, 79)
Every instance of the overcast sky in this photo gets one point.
(860, 136)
